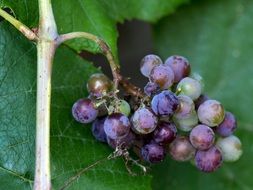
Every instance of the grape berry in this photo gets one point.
(172, 117)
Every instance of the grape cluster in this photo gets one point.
(173, 117)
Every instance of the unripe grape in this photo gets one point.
(153, 153)
(180, 66)
(99, 84)
(84, 111)
(98, 130)
(165, 133)
(186, 124)
(231, 148)
(228, 125)
(202, 137)
(211, 113)
(181, 149)
(116, 126)
(143, 121)
(162, 75)
(123, 107)
(189, 87)
(148, 63)
(208, 160)
(164, 103)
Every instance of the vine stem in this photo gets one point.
(19, 25)
(46, 47)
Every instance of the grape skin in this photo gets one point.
(153, 153)
(208, 160)
(211, 113)
(180, 66)
(117, 126)
(181, 149)
(164, 103)
(84, 111)
(144, 121)
(98, 129)
(202, 137)
(228, 126)
(162, 75)
(148, 63)
(165, 133)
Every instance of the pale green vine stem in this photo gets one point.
(20, 26)
(46, 47)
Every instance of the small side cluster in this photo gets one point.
(173, 117)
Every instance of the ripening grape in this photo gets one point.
(143, 121)
(181, 149)
(186, 124)
(231, 148)
(186, 107)
(98, 129)
(211, 113)
(228, 126)
(189, 87)
(165, 133)
(84, 111)
(202, 137)
(162, 75)
(116, 126)
(153, 153)
(164, 103)
(148, 63)
(180, 67)
(208, 160)
(99, 84)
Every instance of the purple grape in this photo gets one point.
(124, 142)
(181, 149)
(202, 98)
(153, 153)
(180, 66)
(116, 126)
(99, 84)
(202, 137)
(151, 88)
(143, 121)
(162, 75)
(98, 130)
(208, 160)
(228, 126)
(164, 103)
(84, 111)
(165, 133)
(211, 113)
(148, 63)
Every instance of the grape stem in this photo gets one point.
(27, 32)
(103, 47)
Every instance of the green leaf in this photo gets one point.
(216, 37)
(98, 17)
(72, 145)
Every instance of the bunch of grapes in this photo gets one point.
(172, 117)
